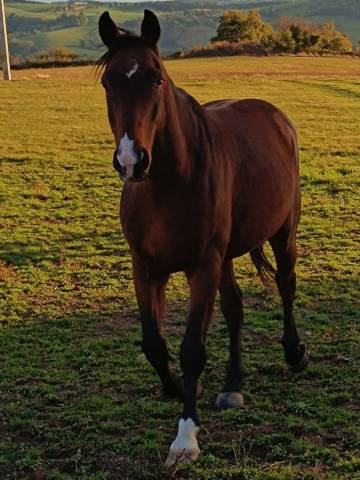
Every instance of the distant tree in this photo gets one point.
(284, 41)
(332, 40)
(340, 44)
(83, 20)
(284, 23)
(59, 54)
(328, 30)
(237, 25)
(309, 37)
(63, 53)
(297, 34)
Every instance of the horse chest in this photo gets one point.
(170, 236)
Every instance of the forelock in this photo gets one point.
(123, 41)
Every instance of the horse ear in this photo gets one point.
(150, 27)
(108, 30)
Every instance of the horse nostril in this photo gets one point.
(119, 168)
(116, 164)
(144, 160)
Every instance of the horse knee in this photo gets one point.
(286, 283)
(230, 300)
(232, 311)
(155, 350)
(192, 357)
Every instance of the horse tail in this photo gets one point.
(264, 268)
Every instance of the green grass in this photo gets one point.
(66, 37)
(77, 398)
(31, 9)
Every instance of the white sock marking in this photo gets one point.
(132, 70)
(186, 437)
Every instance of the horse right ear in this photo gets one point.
(108, 30)
(150, 27)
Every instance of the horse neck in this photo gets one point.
(183, 136)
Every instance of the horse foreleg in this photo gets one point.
(232, 309)
(203, 284)
(150, 293)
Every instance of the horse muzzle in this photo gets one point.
(135, 169)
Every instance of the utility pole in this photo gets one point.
(4, 43)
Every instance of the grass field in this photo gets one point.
(77, 398)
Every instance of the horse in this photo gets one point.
(203, 184)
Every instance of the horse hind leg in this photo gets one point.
(284, 248)
(232, 310)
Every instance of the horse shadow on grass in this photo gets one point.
(78, 395)
(38, 250)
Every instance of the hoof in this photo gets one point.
(177, 456)
(301, 364)
(229, 400)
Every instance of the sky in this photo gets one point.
(117, 1)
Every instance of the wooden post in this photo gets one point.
(4, 44)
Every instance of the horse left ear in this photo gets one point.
(150, 27)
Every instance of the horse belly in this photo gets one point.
(252, 228)
(268, 207)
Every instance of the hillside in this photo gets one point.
(35, 26)
(346, 13)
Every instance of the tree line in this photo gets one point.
(289, 34)
(17, 23)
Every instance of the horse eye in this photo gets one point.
(159, 82)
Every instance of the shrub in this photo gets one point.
(309, 37)
(291, 35)
(225, 49)
(56, 54)
(236, 26)
(284, 41)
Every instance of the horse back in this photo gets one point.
(253, 118)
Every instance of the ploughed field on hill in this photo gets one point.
(77, 398)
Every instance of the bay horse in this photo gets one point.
(204, 184)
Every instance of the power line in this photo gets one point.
(4, 43)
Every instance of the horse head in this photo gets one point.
(134, 79)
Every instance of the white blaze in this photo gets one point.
(126, 155)
(132, 70)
